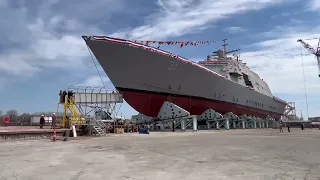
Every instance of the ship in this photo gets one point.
(148, 76)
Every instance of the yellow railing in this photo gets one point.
(76, 115)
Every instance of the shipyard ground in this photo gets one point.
(233, 154)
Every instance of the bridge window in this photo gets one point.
(247, 81)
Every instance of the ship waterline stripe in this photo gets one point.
(137, 45)
(193, 97)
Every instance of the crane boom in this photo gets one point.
(313, 51)
(307, 46)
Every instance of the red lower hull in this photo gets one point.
(150, 104)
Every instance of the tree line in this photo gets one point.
(24, 118)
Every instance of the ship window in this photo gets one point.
(247, 80)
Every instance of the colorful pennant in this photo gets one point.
(181, 43)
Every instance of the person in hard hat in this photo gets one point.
(42, 121)
(54, 119)
(280, 127)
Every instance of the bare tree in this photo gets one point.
(13, 114)
(24, 118)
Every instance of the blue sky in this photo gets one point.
(41, 49)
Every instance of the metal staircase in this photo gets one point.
(99, 127)
(75, 115)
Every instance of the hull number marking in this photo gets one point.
(172, 66)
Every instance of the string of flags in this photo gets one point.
(181, 43)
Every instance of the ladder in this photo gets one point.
(99, 127)
(76, 115)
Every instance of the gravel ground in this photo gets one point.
(233, 154)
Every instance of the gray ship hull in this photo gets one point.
(147, 79)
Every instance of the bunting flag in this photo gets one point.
(181, 43)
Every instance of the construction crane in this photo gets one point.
(313, 51)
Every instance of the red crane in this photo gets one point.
(313, 51)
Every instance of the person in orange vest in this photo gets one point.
(54, 120)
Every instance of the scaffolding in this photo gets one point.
(290, 111)
(82, 105)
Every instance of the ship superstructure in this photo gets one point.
(147, 77)
(234, 69)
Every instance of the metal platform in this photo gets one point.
(97, 98)
(95, 95)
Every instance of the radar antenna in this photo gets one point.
(225, 45)
(312, 51)
(223, 53)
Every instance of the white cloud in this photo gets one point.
(179, 17)
(314, 5)
(47, 34)
(234, 30)
(279, 61)
(95, 81)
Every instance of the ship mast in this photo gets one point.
(225, 45)
(223, 53)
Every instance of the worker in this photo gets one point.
(280, 127)
(54, 120)
(64, 93)
(67, 122)
(42, 121)
(288, 127)
(61, 96)
(71, 96)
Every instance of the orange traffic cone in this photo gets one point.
(54, 135)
